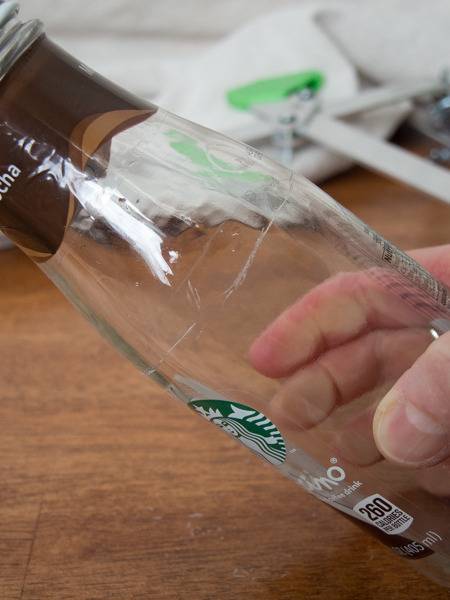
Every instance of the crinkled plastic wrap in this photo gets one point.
(182, 247)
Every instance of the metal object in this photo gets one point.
(434, 334)
(438, 327)
(5, 244)
(15, 37)
(322, 123)
(432, 118)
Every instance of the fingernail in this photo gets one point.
(407, 435)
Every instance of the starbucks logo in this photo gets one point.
(246, 424)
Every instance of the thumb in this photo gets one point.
(412, 422)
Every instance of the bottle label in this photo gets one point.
(375, 513)
(250, 427)
(58, 120)
(383, 514)
(403, 546)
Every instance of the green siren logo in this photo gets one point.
(246, 424)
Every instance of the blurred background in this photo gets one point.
(187, 56)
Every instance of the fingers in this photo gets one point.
(435, 259)
(339, 376)
(330, 348)
(332, 314)
(343, 375)
(436, 480)
(412, 422)
(354, 440)
(340, 309)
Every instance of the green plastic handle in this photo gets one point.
(265, 91)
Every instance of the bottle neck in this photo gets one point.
(15, 36)
(58, 118)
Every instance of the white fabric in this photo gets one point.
(171, 18)
(168, 51)
(388, 40)
(281, 42)
(285, 41)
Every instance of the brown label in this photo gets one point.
(403, 546)
(57, 118)
(408, 548)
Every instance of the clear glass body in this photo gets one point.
(189, 245)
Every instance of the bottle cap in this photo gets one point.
(15, 37)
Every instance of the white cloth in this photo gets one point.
(388, 40)
(168, 51)
(282, 42)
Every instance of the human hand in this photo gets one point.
(350, 337)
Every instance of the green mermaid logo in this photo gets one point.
(250, 427)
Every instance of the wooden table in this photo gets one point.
(110, 490)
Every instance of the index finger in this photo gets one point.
(339, 310)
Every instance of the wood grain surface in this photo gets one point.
(110, 490)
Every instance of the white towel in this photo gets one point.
(168, 51)
(284, 41)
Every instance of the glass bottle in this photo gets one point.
(182, 246)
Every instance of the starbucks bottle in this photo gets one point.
(184, 248)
